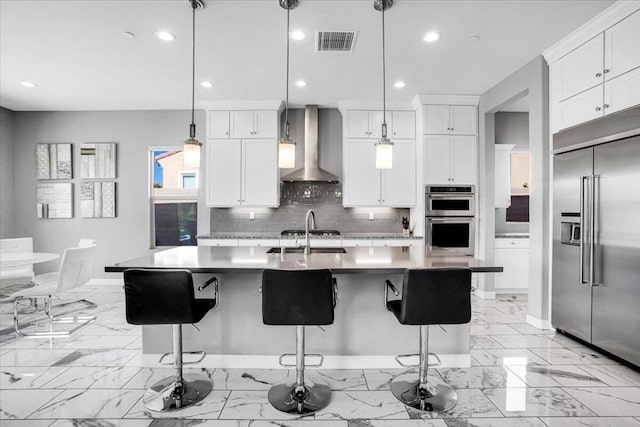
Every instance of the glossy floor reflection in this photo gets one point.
(520, 377)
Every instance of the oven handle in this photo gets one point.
(449, 196)
(464, 220)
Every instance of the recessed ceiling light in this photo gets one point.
(399, 84)
(166, 36)
(28, 84)
(128, 34)
(474, 38)
(206, 84)
(301, 83)
(298, 35)
(431, 36)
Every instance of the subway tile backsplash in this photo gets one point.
(295, 199)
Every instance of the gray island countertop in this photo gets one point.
(375, 260)
(276, 235)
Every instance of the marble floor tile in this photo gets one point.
(572, 356)
(556, 376)
(248, 379)
(482, 341)
(27, 423)
(494, 422)
(347, 405)
(89, 404)
(507, 357)
(306, 423)
(614, 375)
(472, 403)
(39, 343)
(113, 377)
(396, 423)
(96, 342)
(243, 405)
(33, 357)
(591, 422)
(609, 401)
(25, 377)
(567, 341)
(19, 404)
(136, 344)
(146, 377)
(480, 377)
(525, 328)
(492, 329)
(207, 409)
(97, 422)
(336, 379)
(525, 341)
(381, 379)
(106, 329)
(97, 357)
(536, 402)
(504, 318)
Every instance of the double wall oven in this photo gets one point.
(450, 219)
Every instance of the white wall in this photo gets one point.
(119, 238)
(531, 79)
(6, 173)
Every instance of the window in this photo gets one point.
(174, 198)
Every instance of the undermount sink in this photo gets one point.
(313, 251)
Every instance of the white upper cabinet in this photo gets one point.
(260, 183)
(622, 92)
(580, 70)
(404, 125)
(581, 108)
(254, 124)
(502, 175)
(218, 124)
(364, 185)
(622, 47)
(450, 159)
(224, 172)
(450, 120)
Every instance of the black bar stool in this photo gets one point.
(166, 297)
(300, 298)
(429, 297)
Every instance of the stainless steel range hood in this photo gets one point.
(311, 171)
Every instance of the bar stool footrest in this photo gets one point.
(193, 362)
(306, 365)
(408, 365)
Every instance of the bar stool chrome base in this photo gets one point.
(164, 396)
(434, 396)
(305, 399)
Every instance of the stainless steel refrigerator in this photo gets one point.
(596, 242)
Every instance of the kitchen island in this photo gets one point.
(364, 333)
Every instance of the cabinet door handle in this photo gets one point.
(606, 106)
(598, 108)
(606, 70)
(598, 74)
(227, 133)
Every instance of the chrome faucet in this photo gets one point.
(312, 215)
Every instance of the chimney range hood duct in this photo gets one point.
(311, 172)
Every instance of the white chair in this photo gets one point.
(18, 275)
(75, 270)
(45, 278)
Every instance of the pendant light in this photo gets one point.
(191, 149)
(286, 145)
(384, 146)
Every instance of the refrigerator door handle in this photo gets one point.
(595, 218)
(583, 212)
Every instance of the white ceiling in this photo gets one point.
(75, 52)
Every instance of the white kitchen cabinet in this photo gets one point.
(218, 242)
(404, 125)
(450, 159)
(242, 173)
(254, 124)
(622, 49)
(218, 124)
(622, 92)
(262, 243)
(581, 108)
(502, 175)
(365, 124)
(450, 119)
(394, 243)
(365, 185)
(579, 70)
(513, 256)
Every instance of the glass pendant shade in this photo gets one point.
(384, 154)
(191, 153)
(286, 153)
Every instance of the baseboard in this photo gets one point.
(485, 294)
(106, 282)
(239, 361)
(513, 291)
(538, 323)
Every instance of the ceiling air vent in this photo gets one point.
(335, 41)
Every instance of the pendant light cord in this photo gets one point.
(384, 92)
(286, 105)
(193, 65)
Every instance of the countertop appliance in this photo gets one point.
(596, 239)
(450, 220)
